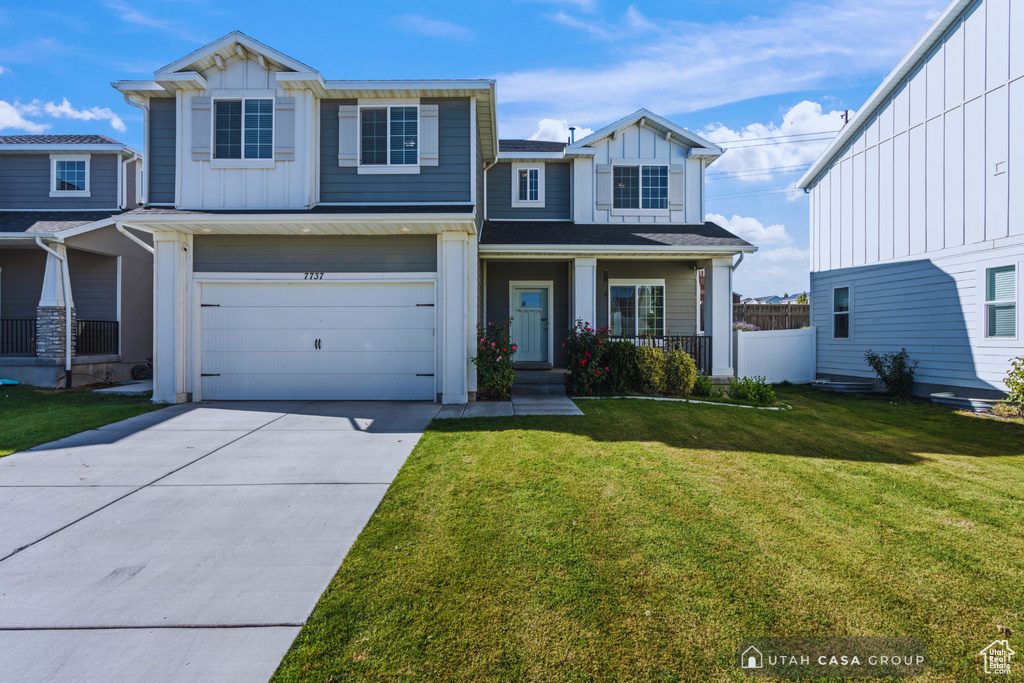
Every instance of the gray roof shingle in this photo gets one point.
(530, 146)
(57, 140)
(611, 234)
(48, 221)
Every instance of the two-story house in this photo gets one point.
(76, 292)
(917, 211)
(320, 239)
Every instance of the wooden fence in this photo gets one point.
(773, 316)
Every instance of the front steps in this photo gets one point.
(539, 383)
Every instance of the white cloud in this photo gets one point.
(784, 254)
(3, 70)
(64, 110)
(752, 230)
(804, 133)
(673, 66)
(582, 5)
(11, 118)
(131, 15)
(557, 130)
(432, 28)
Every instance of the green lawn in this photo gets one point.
(645, 541)
(30, 416)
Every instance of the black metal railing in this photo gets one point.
(698, 346)
(97, 338)
(17, 337)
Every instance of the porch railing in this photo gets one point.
(18, 337)
(97, 338)
(698, 346)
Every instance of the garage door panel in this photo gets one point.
(323, 318)
(331, 340)
(318, 294)
(334, 387)
(317, 363)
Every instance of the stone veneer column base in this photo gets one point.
(50, 331)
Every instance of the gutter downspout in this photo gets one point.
(486, 169)
(124, 183)
(738, 261)
(145, 147)
(65, 278)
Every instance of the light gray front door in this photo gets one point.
(530, 324)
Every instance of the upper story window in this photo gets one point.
(1001, 302)
(244, 129)
(841, 313)
(389, 135)
(528, 185)
(640, 187)
(69, 175)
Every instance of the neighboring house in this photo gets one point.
(794, 298)
(324, 239)
(772, 299)
(917, 211)
(64, 264)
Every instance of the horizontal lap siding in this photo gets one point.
(933, 308)
(329, 254)
(556, 193)
(161, 150)
(449, 181)
(501, 273)
(21, 282)
(680, 290)
(93, 285)
(25, 183)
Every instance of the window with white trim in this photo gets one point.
(69, 175)
(528, 185)
(841, 313)
(640, 187)
(636, 308)
(389, 135)
(1001, 302)
(243, 129)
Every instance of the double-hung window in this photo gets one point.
(841, 313)
(243, 129)
(640, 187)
(389, 136)
(69, 175)
(528, 185)
(1001, 302)
(636, 308)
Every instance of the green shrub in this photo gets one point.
(680, 373)
(583, 351)
(1015, 381)
(651, 369)
(751, 390)
(621, 367)
(894, 369)
(703, 386)
(494, 351)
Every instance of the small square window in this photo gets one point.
(69, 175)
(640, 187)
(243, 129)
(389, 136)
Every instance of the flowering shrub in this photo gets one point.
(744, 326)
(583, 351)
(494, 351)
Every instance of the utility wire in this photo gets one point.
(746, 173)
(756, 193)
(780, 137)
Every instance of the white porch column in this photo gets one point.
(171, 276)
(718, 314)
(585, 291)
(472, 310)
(453, 278)
(53, 293)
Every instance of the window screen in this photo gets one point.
(404, 126)
(529, 185)
(626, 187)
(374, 134)
(259, 129)
(1001, 302)
(654, 187)
(228, 129)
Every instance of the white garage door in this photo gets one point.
(322, 340)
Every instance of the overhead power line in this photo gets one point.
(755, 193)
(779, 137)
(751, 172)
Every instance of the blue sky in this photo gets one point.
(740, 72)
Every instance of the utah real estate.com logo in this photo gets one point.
(997, 657)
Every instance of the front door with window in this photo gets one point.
(530, 324)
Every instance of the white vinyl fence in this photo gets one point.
(777, 355)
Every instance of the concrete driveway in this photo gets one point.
(188, 544)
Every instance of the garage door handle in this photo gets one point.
(210, 374)
(316, 344)
(209, 305)
(431, 305)
(424, 374)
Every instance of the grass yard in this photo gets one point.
(30, 416)
(645, 541)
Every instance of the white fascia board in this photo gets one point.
(148, 88)
(170, 221)
(685, 135)
(250, 44)
(933, 35)
(88, 227)
(185, 80)
(25, 236)
(470, 84)
(68, 149)
(530, 156)
(567, 250)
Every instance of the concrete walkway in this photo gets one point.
(521, 404)
(188, 544)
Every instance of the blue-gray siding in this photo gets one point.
(21, 281)
(25, 183)
(161, 150)
(449, 181)
(556, 193)
(680, 290)
(932, 307)
(328, 253)
(93, 285)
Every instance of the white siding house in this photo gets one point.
(917, 210)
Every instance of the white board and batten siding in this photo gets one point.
(777, 355)
(318, 340)
(926, 196)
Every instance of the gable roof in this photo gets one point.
(701, 148)
(57, 140)
(531, 146)
(225, 47)
(891, 84)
